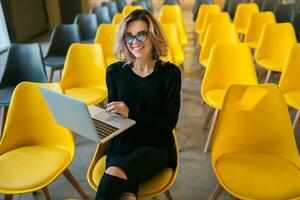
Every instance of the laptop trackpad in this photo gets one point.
(108, 117)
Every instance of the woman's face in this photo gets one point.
(137, 39)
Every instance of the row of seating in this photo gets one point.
(86, 82)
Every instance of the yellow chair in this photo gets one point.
(203, 12)
(242, 15)
(256, 24)
(34, 149)
(255, 155)
(273, 45)
(118, 17)
(173, 14)
(217, 33)
(84, 74)
(106, 36)
(174, 43)
(169, 57)
(128, 9)
(228, 64)
(222, 17)
(151, 188)
(289, 81)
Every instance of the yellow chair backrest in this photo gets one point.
(222, 17)
(84, 67)
(128, 9)
(217, 33)
(174, 42)
(275, 41)
(173, 14)
(30, 123)
(228, 64)
(169, 57)
(146, 189)
(255, 129)
(242, 15)
(256, 24)
(118, 17)
(106, 36)
(289, 80)
(203, 12)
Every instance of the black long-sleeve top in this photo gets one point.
(153, 102)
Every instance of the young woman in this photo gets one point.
(145, 89)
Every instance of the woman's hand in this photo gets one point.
(117, 107)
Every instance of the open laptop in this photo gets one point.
(91, 122)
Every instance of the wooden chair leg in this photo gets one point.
(60, 73)
(168, 195)
(46, 193)
(51, 75)
(211, 130)
(182, 67)
(8, 197)
(3, 118)
(75, 184)
(208, 117)
(268, 76)
(296, 120)
(216, 193)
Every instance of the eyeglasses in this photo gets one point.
(140, 37)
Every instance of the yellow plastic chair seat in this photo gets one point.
(272, 64)
(252, 44)
(293, 99)
(258, 176)
(16, 168)
(215, 98)
(53, 86)
(204, 62)
(110, 60)
(147, 188)
(90, 96)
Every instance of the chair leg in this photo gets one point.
(216, 193)
(268, 76)
(51, 75)
(208, 117)
(60, 73)
(296, 120)
(8, 197)
(46, 193)
(211, 130)
(168, 195)
(182, 67)
(3, 118)
(75, 184)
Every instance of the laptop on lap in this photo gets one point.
(91, 122)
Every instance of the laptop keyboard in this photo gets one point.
(104, 129)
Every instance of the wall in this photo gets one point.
(4, 39)
(53, 13)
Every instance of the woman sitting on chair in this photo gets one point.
(143, 88)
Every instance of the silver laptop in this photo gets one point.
(91, 122)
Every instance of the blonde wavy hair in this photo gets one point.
(160, 45)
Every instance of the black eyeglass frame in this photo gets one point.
(137, 37)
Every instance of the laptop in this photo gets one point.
(91, 122)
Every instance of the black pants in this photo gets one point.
(139, 166)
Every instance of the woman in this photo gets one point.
(147, 90)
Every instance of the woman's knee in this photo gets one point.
(117, 172)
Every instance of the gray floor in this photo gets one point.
(196, 179)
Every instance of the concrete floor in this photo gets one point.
(195, 180)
